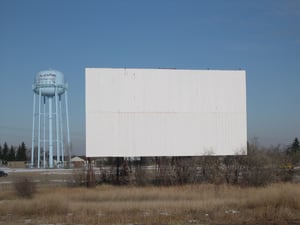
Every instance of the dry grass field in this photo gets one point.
(191, 204)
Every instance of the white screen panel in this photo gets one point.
(165, 112)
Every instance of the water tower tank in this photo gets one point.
(47, 80)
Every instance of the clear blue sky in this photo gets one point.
(261, 37)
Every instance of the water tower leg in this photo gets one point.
(44, 143)
(61, 133)
(32, 140)
(68, 130)
(50, 134)
(39, 131)
(57, 129)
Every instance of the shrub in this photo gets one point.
(78, 178)
(25, 187)
(141, 176)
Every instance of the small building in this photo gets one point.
(77, 162)
(16, 164)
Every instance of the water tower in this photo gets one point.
(50, 124)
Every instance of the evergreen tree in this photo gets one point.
(293, 151)
(18, 153)
(21, 152)
(12, 154)
(295, 146)
(5, 152)
(0, 152)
